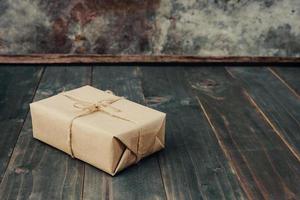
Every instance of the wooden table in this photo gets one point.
(232, 133)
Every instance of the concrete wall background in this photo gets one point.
(182, 27)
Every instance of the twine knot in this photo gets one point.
(98, 106)
(91, 107)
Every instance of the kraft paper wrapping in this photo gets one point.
(111, 139)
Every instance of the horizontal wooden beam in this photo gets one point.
(96, 58)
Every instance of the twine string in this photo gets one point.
(89, 108)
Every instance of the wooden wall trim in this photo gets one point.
(93, 58)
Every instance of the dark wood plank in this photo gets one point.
(265, 166)
(141, 181)
(107, 58)
(17, 88)
(36, 170)
(289, 76)
(193, 165)
(278, 105)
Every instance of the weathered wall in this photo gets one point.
(184, 27)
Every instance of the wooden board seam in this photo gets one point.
(284, 82)
(264, 116)
(259, 110)
(230, 162)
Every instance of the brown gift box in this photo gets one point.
(104, 130)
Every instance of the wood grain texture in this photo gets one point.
(141, 181)
(17, 88)
(96, 58)
(231, 134)
(265, 166)
(36, 170)
(193, 165)
(289, 76)
(281, 109)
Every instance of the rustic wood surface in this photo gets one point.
(16, 92)
(251, 145)
(96, 58)
(35, 170)
(289, 76)
(193, 165)
(232, 133)
(278, 106)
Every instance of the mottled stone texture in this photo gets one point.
(180, 27)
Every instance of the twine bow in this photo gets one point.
(89, 108)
